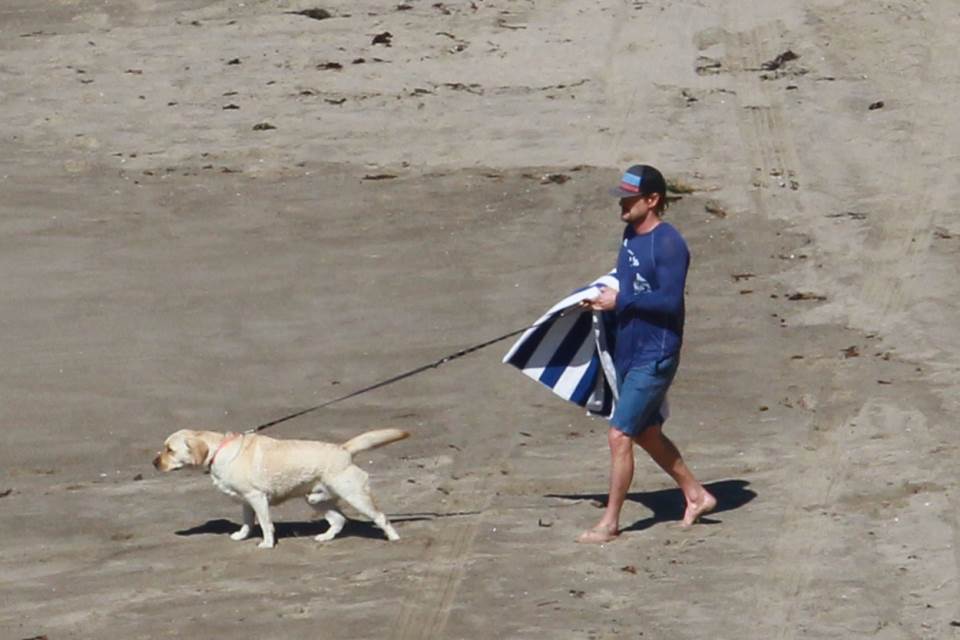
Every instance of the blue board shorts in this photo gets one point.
(642, 391)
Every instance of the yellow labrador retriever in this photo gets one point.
(260, 471)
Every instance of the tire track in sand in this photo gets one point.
(768, 140)
(901, 242)
(425, 611)
(896, 246)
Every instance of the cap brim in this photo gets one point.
(623, 193)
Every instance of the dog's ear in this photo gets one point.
(198, 450)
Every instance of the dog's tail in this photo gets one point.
(373, 439)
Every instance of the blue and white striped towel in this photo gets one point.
(569, 350)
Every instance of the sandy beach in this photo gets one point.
(214, 214)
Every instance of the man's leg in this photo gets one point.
(621, 474)
(666, 454)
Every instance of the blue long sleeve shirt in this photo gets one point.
(652, 272)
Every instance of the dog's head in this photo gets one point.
(185, 448)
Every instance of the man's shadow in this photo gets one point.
(667, 505)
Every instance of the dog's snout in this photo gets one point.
(156, 462)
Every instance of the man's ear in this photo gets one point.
(198, 451)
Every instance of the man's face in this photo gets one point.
(636, 208)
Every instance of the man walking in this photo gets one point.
(652, 272)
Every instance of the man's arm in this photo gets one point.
(672, 260)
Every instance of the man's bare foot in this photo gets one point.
(598, 535)
(694, 510)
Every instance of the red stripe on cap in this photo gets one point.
(629, 187)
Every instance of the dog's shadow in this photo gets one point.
(667, 505)
(310, 528)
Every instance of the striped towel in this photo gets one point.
(569, 351)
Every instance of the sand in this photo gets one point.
(213, 214)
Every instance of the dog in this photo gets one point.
(260, 471)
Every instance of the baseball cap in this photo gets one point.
(640, 179)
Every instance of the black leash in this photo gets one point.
(406, 374)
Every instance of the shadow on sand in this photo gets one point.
(667, 504)
(354, 528)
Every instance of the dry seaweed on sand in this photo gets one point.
(679, 186)
(316, 14)
(779, 61)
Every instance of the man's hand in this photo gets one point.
(606, 301)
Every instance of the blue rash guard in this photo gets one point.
(652, 271)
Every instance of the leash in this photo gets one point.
(411, 372)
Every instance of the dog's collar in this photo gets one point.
(230, 437)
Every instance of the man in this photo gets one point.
(652, 272)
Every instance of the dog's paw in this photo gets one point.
(326, 536)
(266, 545)
(242, 534)
(318, 498)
